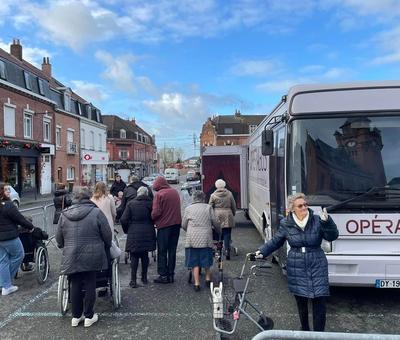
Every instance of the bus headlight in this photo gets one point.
(326, 246)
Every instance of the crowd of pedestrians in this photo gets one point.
(85, 234)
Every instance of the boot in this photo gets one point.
(161, 279)
(144, 278)
(228, 254)
(145, 265)
(133, 283)
(171, 278)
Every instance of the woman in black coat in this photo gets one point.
(117, 186)
(307, 266)
(137, 223)
(11, 249)
(61, 201)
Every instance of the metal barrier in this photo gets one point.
(42, 217)
(283, 334)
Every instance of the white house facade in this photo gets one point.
(94, 155)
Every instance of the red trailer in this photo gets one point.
(230, 164)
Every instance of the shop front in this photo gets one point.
(20, 163)
(94, 168)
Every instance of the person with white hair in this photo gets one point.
(307, 266)
(136, 221)
(199, 221)
(130, 193)
(225, 208)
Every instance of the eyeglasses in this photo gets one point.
(304, 205)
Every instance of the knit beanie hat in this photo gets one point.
(220, 184)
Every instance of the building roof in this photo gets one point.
(115, 124)
(238, 123)
(54, 84)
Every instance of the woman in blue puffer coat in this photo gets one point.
(307, 266)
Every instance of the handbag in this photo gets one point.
(115, 251)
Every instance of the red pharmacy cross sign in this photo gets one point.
(87, 157)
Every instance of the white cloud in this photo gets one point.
(79, 23)
(73, 23)
(388, 43)
(280, 86)
(118, 70)
(89, 91)
(256, 67)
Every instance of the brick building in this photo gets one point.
(40, 125)
(228, 130)
(131, 149)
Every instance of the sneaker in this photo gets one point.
(162, 279)
(75, 321)
(92, 320)
(26, 267)
(9, 290)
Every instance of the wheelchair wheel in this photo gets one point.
(63, 293)
(42, 265)
(115, 285)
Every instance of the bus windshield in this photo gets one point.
(335, 159)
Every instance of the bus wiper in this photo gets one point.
(370, 191)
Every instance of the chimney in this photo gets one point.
(46, 67)
(16, 49)
(237, 113)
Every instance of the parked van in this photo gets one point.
(172, 175)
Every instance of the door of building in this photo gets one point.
(45, 179)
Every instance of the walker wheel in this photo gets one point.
(265, 322)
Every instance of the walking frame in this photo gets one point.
(223, 311)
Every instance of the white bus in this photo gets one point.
(340, 145)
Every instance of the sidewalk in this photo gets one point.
(30, 199)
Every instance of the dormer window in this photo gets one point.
(136, 135)
(27, 78)
(3, 73)
(98, 115)
(228, 131)
(41, 86)
(79, 108)
(67, 101)
(122, 134)
(252, 128)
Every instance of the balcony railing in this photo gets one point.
(72, 148)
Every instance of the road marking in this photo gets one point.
(115, 314)
(14, 315)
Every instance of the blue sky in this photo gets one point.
(173, 63)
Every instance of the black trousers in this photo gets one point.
(144, 258)
(83, 293)
(319, 312)
(167, 242)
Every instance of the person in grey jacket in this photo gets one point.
(307, 266)
(85, 237)
(225, 208)
(199, 220)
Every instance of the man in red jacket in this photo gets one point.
(166, 214)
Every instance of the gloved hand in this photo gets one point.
(259, 255)
(324, 215)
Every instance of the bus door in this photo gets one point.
(277, 186)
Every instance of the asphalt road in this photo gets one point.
(176, 311)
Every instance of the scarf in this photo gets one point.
(301, 223)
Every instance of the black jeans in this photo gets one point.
(319, 313)
(83, 301)
(144, 257)
(167, 242)
(226, 236)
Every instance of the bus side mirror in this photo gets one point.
(267, 142)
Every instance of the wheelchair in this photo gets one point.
(35, 249)
(108, 278)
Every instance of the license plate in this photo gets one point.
(387, 283)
